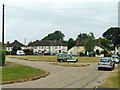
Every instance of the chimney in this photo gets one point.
(77, 42)
(99, 42)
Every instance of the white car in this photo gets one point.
(20, 52)
(106, 63)
(116, 58)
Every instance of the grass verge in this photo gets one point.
(70, 64)
(112, 80)
(19, 73)
(52, 58)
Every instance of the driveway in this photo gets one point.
(62, 77)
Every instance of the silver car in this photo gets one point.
(106, 62)
(116, 58)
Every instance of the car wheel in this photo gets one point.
(98, 68)
(61, 60)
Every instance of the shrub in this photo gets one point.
(28, 52)
(82, 54)
(104, 52)
(92, 54)
(2, 57)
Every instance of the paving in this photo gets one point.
(61, 76)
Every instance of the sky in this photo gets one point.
(35, 19)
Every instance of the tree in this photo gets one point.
(70, 43)
(113, 34)
(57, 35)
(105, 42)
(89, 43)
(82, 36)
(15, 48)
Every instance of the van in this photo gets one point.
(20, 52)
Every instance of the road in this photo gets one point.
(62, 77)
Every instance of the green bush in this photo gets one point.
(104, 52)
(2, 57)
(82, 54)
(28, 52)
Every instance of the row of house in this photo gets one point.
(45, 46)
(56, 46)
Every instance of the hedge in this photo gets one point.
(2, 57)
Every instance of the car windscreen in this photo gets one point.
(114, 57)
(104, 60)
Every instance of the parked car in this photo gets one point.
(106, 62)
(116, 58)
(36, 54)
(62, 57)
(52, 54)
(20, 52)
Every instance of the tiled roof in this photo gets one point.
(47, 43)
(118, 45)
(82, 43)
(15, 43)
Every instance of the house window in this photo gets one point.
(42, 47)
(77, 52)
(59, 47)
(35, 47)
(77, 46)
(55, 51)
(49, 47)
(56, 47)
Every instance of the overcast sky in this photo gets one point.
(34, 19)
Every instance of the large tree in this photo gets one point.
(105, 42)
(57, 35)
(89, 43)
(70, 43)
(113, 34)
(82, 36)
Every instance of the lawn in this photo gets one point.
(16, 72)
(53, 58)
(112, 80)
(70, 64)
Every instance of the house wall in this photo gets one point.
(9, 49)
(71, 51)
(76, 50)
(79, 49)
(99, 48)
(117, 50)
(50, 49)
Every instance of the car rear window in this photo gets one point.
(104, 60)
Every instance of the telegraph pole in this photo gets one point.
(3, 28)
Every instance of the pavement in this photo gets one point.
(61, 76)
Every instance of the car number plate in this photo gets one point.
(104, 64)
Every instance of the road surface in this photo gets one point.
(61, 76)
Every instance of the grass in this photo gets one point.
(53, 58)
(16, 72)
(112, 80)
(70, 64)
(36, 58)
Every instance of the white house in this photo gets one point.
(117, 49)
(9, 46)
(48, 46)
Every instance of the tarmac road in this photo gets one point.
(61, 76)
